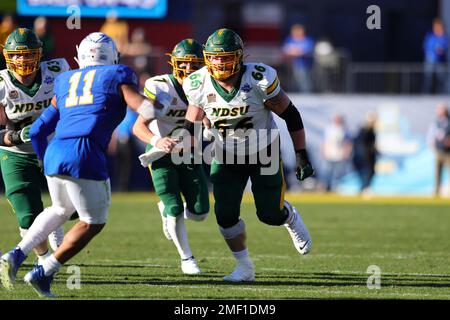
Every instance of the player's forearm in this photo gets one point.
(142, 132)
(138, 102)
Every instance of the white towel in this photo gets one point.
(156, 153)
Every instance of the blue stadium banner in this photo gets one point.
(94, 8)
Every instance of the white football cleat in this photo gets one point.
(298, 231)
(56, 238)
(190, 266)
(164, 221)
(242, 273)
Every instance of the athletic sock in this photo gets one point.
(177, 230)
(51, 265)
(43, 225)
(43, 257)
(242, 257)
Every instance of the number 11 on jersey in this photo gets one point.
(87, 97)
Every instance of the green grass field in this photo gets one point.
(408, 239)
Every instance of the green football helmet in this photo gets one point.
(23, 51)
(186, 57)
(223, 51)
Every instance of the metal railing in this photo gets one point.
(387, 78)
(340, 76)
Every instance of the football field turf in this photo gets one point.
(407, 239)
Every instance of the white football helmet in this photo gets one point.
(97, 49)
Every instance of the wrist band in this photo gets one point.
(154, 140)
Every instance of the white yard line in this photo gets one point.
(373, 294)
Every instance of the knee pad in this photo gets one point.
(234, 231)
(192, 216)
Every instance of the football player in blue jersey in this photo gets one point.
(89, 104)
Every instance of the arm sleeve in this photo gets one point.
(42, 128)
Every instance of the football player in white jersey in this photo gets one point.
(172, 180)
(235, 95)
(26, 89)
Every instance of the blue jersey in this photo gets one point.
(90, 107)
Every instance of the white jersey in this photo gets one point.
(169, 93)
(241, 108)
(23, 105)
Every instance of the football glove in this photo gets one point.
(25, 134)
(304, 168)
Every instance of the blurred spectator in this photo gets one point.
(335, 150)
(43, 32)
(117, 30)
(436, 48)
(299, 48)
(439, 139)
(139, 45)
(365, 152)
(139, 49)
(6, 27)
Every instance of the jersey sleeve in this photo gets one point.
(268, 81)
(2, 92)
(56, 66)
(192, 87)
(156, 88)
(150, 89)
(125, 75)
(64, 65)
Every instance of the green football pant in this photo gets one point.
(170, 181)
(229, 182)
(23, 182)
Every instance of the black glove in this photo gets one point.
(304, 168)
(14, 137)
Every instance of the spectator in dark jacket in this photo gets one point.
(439, 139)
(365, 153)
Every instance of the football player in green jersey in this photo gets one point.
(26, 89)
(171, 180)
(234, 95)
